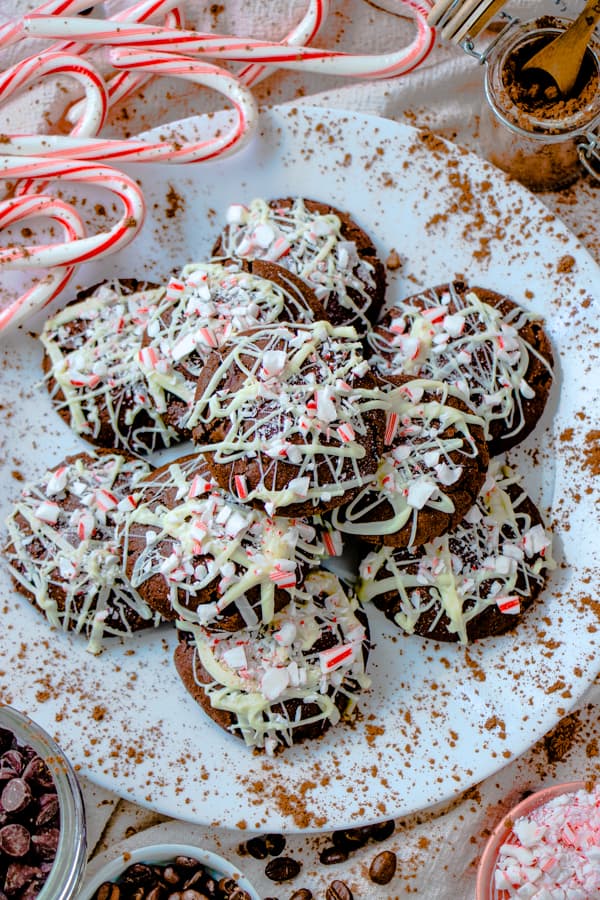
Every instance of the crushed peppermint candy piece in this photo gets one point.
(554, 850)
(48, 512)
(419, 492)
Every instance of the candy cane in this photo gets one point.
(83, 248)
(124, 83)
(12, 31)
(41, 293)
(33, 68)
(304, 32)
(332, 62)
(132, 150)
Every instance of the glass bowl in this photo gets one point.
(66, 875)
(486, 889)
(161, 854)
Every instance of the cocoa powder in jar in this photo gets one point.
(528, 129)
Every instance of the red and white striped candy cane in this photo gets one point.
(133, 150)
(33, 68)
(236, 49)
(304, 33)
(84, 248)
(124, 83)
(44, 290)
(12, 31)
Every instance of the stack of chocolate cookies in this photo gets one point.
(320, 420)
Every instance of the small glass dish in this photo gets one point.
(163, 854)
(66, 875)
(486, 889)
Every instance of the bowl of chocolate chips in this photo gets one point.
(42, 819)
(165, 871)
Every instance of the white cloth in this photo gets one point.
(438, 848)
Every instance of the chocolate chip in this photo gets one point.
(282, 868)
(6, 739)
(36, 772)
(383, 867)
(14, 760)
(18, 876)
(330, 856)
(338, 890)
(302, 894)
(49, 809)
(16, 796)
(15, 840)
(46, 842)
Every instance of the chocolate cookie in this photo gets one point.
(212, 302)
(91, 362)
(493, 352)
(62, 550)
(322, 245)
(280, 684)
(473, 582)
(434, 464)
(193, 552)
(289, 417)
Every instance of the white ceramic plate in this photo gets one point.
(438, 718)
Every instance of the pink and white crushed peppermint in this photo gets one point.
(553, 853)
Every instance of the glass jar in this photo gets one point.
(541, 145)
(65, 877)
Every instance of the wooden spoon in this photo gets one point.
(561, 59)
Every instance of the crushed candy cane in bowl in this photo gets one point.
(546, 848)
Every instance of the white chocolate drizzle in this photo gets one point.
(200, 539)
(94, 349)
(310, 245)
(467, 343)
(211, 302)
(295, 403)
(420, 461)
(258, 669)
(62, 543)
(495, 557)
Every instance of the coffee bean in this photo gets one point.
(338, 890)
(275, 844)
(155, 893)
(302, 894)
(108, 891)
(282, 868)
(139, 875)
(383, 867)
(381, 831)
(330, 856)
(351, 838)
(257, 847)
(169, 874)
(183, 879)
